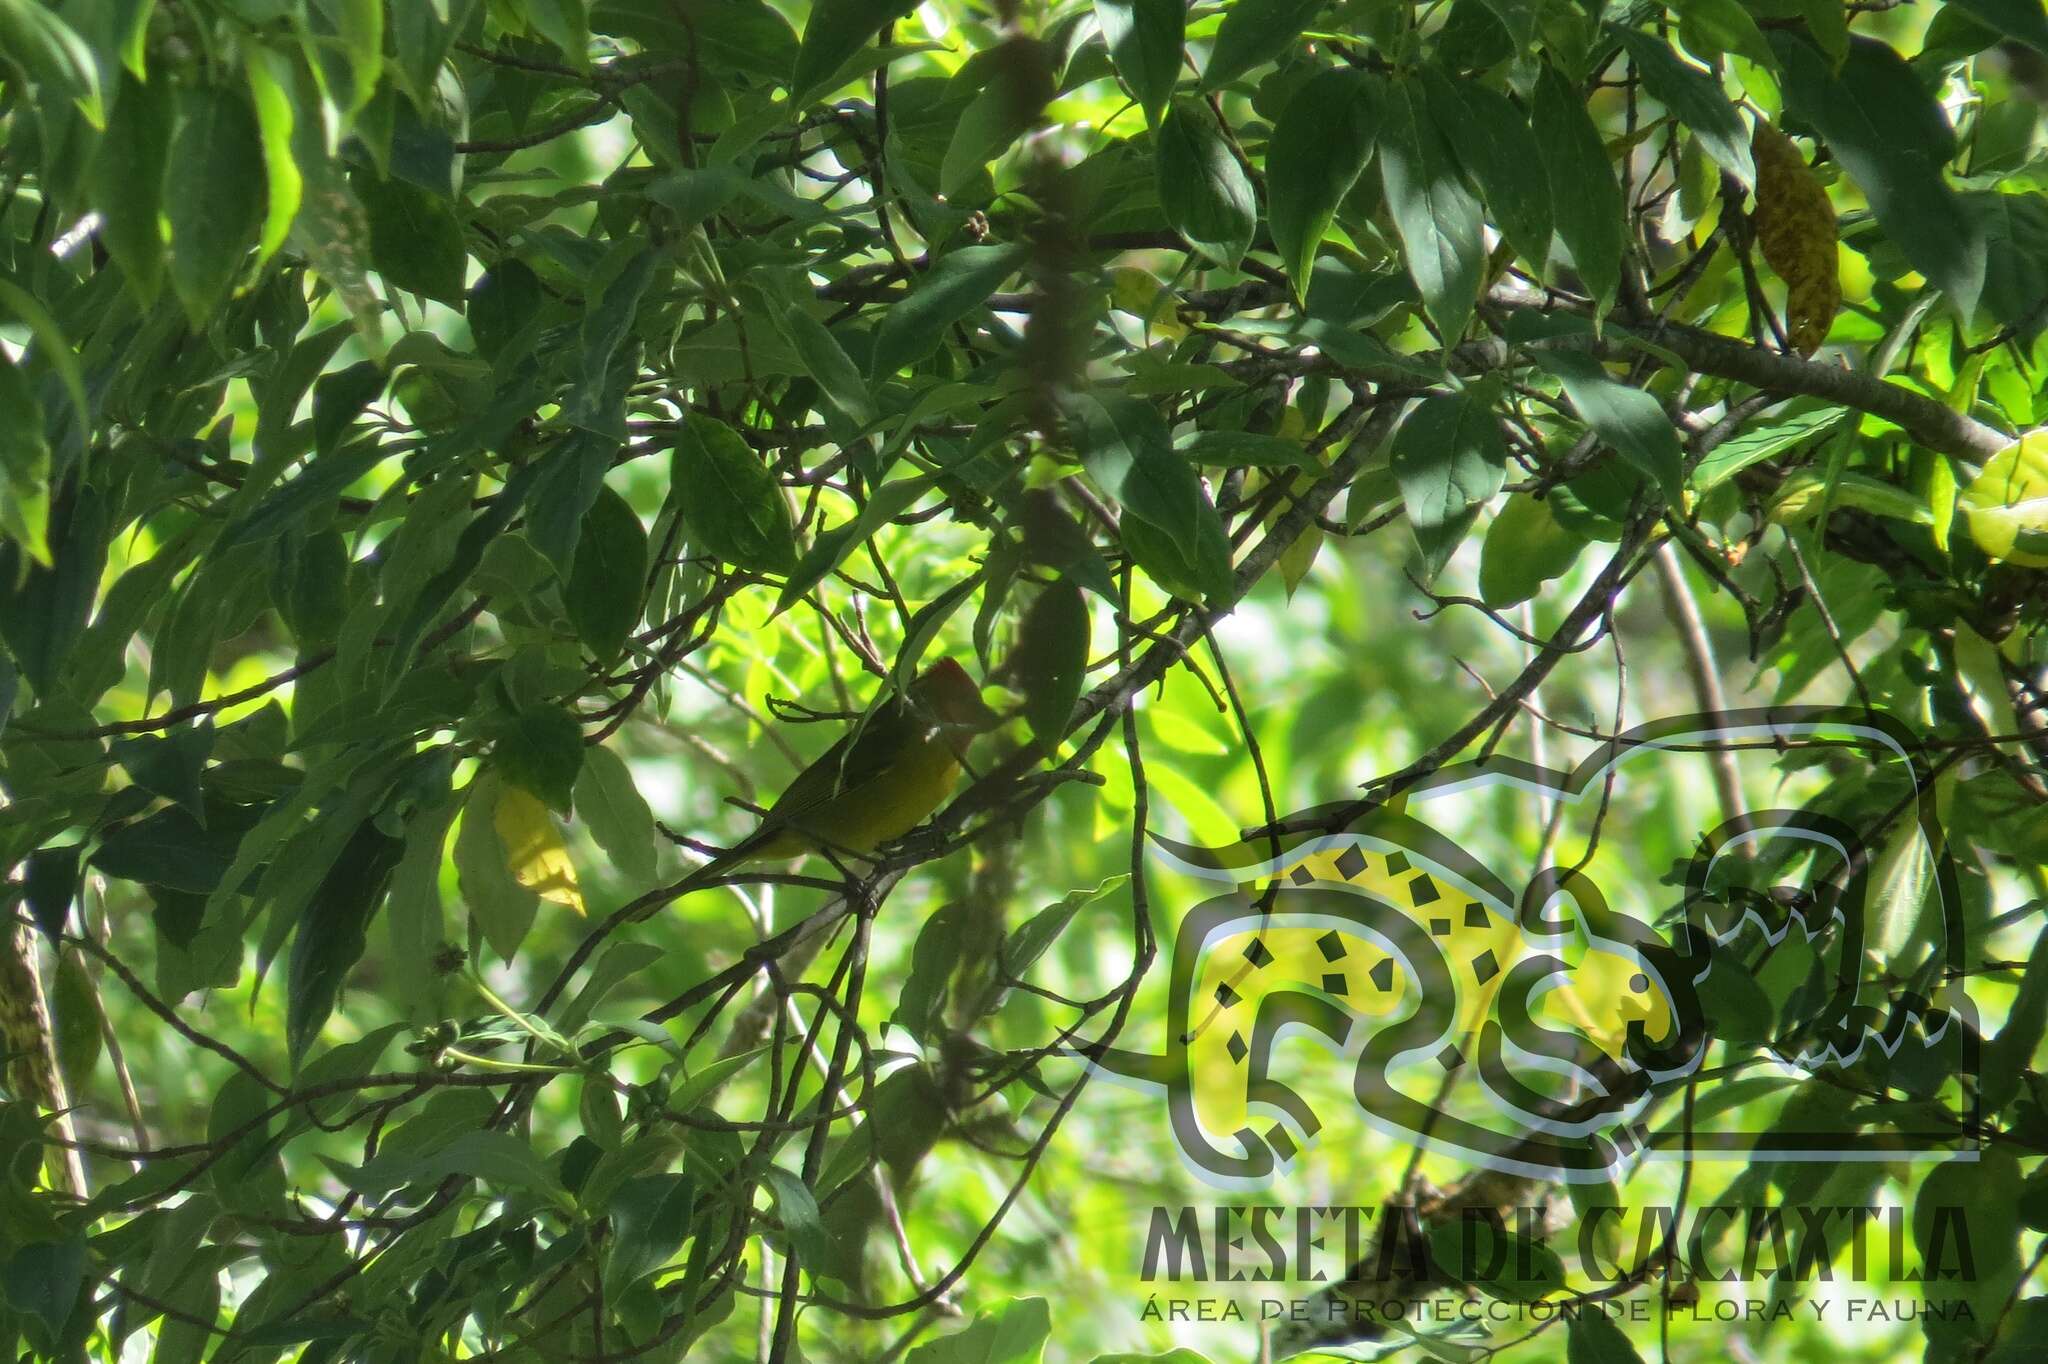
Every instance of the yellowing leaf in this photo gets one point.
(2007, 503)
(1796, 232)
(1804, 494)
(1299, 557)
(1134, 291)
(533, 847)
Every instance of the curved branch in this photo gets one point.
(1931, 423)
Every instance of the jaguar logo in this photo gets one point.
(1417, 970)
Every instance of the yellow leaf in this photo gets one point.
(1136, 292)
(533, 847)
(1796, 232)
(2007, 503)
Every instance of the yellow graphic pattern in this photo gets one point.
(1602, 994)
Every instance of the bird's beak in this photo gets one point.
(969, 713)
(985, 717)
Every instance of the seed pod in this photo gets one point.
(1795, 230)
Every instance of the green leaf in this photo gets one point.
(844, 386)
(1029, 942)
(616, 813)
(651, 1214)
(169, 848)
(415, 238)
(608, 576)
(413, 921)
(694, 195)
(567, 482)
(1477, 1250)
(333, 932)
(620, 962)
(1124, 445)
(2015, 231)
(1974, 1201)
(1245, 450)
(1593, 1338)
(1694, 98)
(1014, 1333)
(53, 348)
(1732, 1003)
(831, 547)
(214, 196)
(130, 34)
(1629, 419)
(2012, 1051)
(1901, 882)
(1794, 426)
(25, 514)
(1525, 548)
(49, 884)
(1710, 28)
(359, 25)
(501, 907)
(1450, 461)
(339, 398)
(1050, 660)
(2023, 1335)
(1206, 194)
(1254, 32)
(270, 90)
(731, 503)
(1005, 108)
(692, 1087)
(1171, 529)
(503, 301)
(801, 1221)
(52, 55)
(1434, 212)
(169, 766)
(1492, 141)
(1319, 149)
(324, 480)
(605, 326)
(564, 23)
(1192, 571)
(836, 30)
(44, 1277)
(1585, 198)
(2024, 20)
(126, 182)
(185, 1339)
(541, 749)
(957, 284)
(1146, 39)
(1891, 136)
(501, 1160)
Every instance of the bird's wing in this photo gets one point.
(855, 761)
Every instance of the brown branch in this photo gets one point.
(1931, 423)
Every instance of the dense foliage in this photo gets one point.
(450, 445)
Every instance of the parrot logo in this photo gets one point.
(1388, 947)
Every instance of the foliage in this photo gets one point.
(447, 445)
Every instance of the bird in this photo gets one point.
(878, 782)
